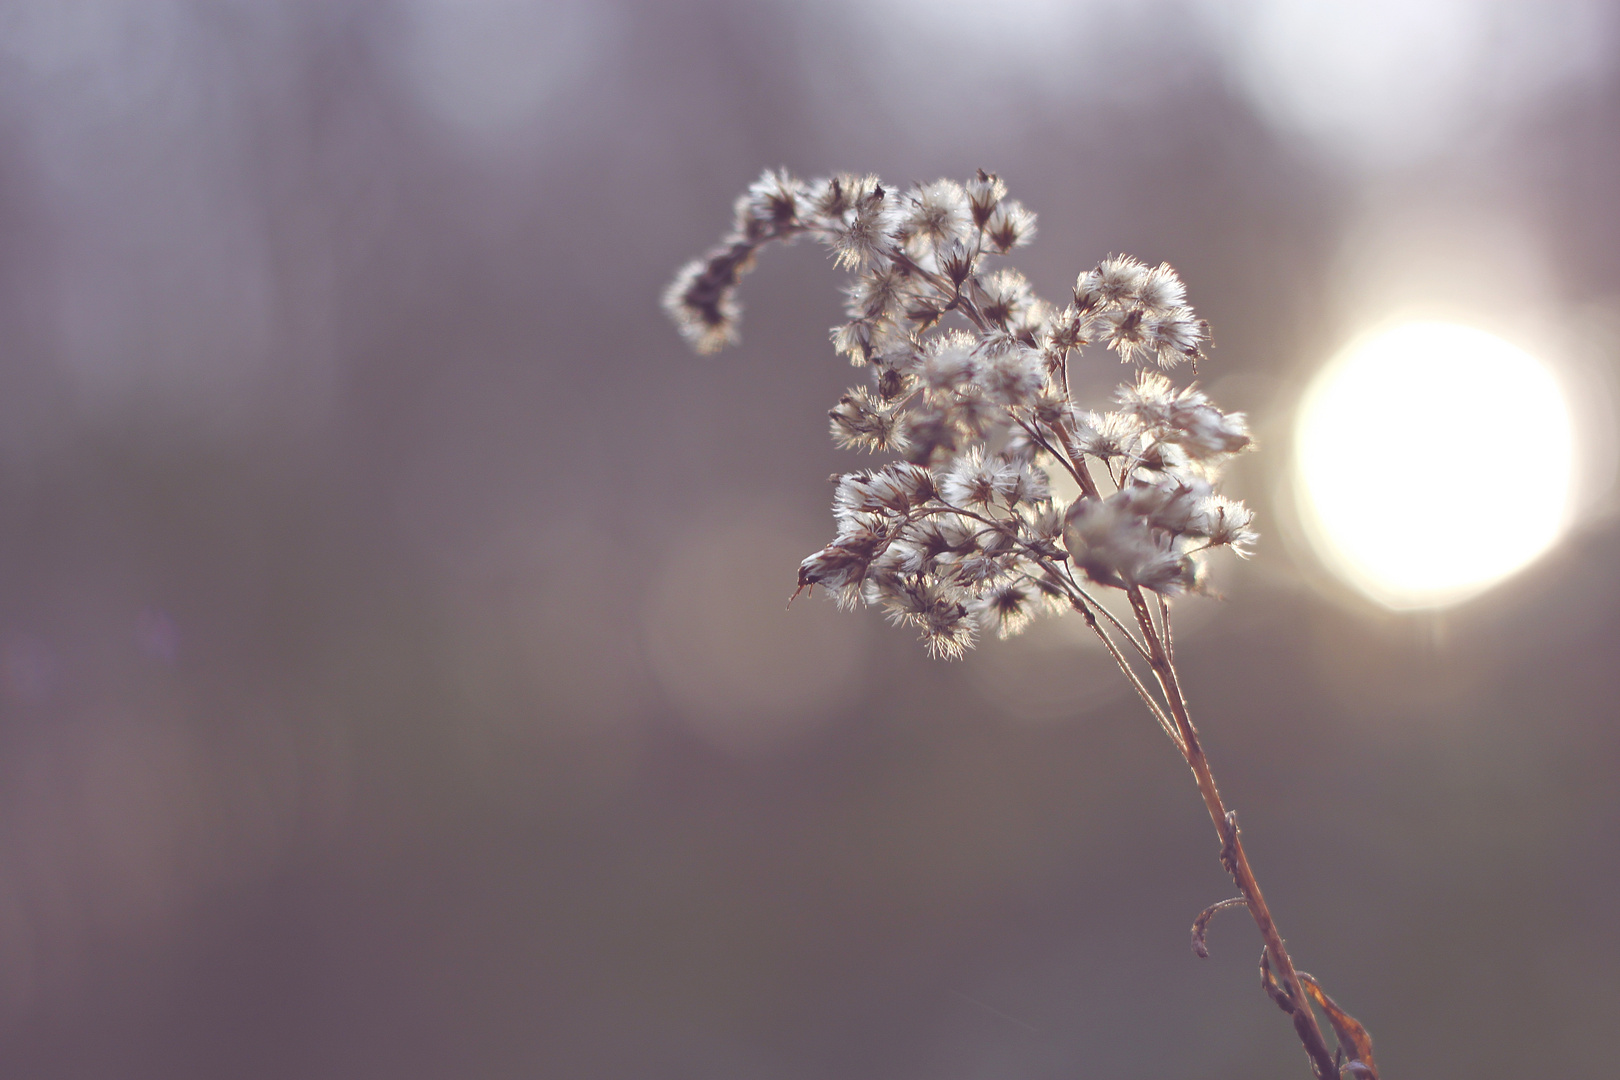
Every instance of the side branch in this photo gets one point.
(1200, 926)
(1130, 673)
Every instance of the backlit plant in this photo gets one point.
(964, 532)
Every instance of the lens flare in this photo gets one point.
(1433, 461)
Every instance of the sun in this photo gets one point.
(1432, 461)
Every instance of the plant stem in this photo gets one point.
(1232, 853)
(1130, 672)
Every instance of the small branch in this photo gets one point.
(1062, 458)
(954, 296)
(1082, 474)
(1111, 617)
(1130, 674)
(1200, 925)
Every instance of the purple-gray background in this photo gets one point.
(395, 673)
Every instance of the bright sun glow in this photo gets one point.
(1433, 461)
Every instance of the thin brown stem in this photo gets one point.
(1233, 855)
(1088, 486)
(1111, 617)
(1034, 434)
(954, 297)
(1164, 621)
(1130, 673)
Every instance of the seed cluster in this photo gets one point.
(963, 533)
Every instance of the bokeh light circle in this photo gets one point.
(1432, 461)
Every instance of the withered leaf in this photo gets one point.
(1354, 1041)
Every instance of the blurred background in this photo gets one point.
(396, 678)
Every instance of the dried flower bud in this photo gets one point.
(949, 362)
(862, 233)
(1227, 523)
(1161, 290)
(936, 213)
(771, 206)
(861, 421)
(1185, 417)
(985, 192)
(1013, 377)
(975, 481)
(1005, 608)
(1113, 282)
(1006, 295)
(1009, 226)
(703, 297)
(956, 263)
(1114, 545)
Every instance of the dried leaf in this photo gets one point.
(1353, 1038)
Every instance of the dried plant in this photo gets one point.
(969, 389)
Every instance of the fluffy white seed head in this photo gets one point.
(949, 362)
(985, 192)
(974, 480)
(970, 386)
(936, 214)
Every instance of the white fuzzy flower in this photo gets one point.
(985, 192)
(1113, 282)
(1020, 482)
(1160, 289)
(863, 421)
(1149, 398)
(1013, 376)
(1227, 523)
(1129, 332)
(975, 480)
(893, 489)
(1006, 296)
(1005, 608)
(975, 570)
(1167, 502)
(1045, 518)
(1205, 432)
(1106, 435)
(1185, 417)
(841, 566)
(857, 216)
(940, 534)
(863, 339)
(771, 205)
(936, 213)
(883, 289)
(1114, 545)
(936, 610)
(948, 362)
(1065, 331)
(702, 300)
(1173, 336)
(1009, 226)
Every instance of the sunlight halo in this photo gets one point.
(1433, 460)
